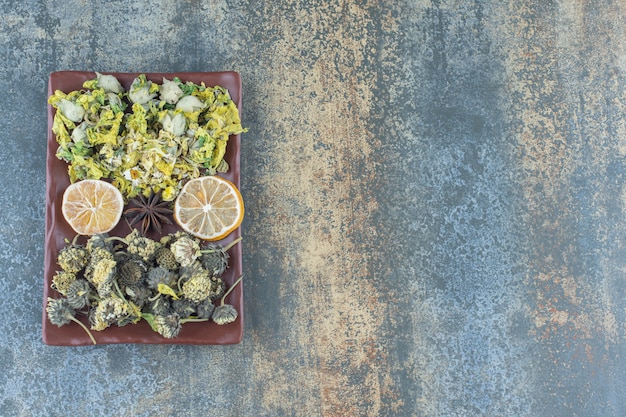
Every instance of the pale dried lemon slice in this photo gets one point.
(92, 206)
(209, 207)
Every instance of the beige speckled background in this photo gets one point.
(434, 207)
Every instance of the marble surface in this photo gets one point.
(434, 207)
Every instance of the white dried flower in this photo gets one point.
(109, 83)
(174, 123)
(189, 104)
(170, 91)
(72, 111)
(185, 250)
(140, 91)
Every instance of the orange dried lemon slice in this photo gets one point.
(92, 206)
(209, 207)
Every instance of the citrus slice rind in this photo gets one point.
(92, 206)
(209, 208)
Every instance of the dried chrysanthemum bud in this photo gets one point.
(103, 277)
(159, 307)
(185, 250)
(168, 326)
(224, 314)
(139, 294)
(165, 258)
(62, 280)
(130, 272)
(73, 258)
(101, 241)
(215, 257)
(186, 272)
(141, 246)
(183, 307)
(159, 275)
(197, 288)
(109, 311)
(170, 92)
(78, 294)
(204, 310)
(61, 313)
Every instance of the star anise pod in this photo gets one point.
(151, 211)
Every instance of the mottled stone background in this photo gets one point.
(435, 207)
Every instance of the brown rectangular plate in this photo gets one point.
(57, 230)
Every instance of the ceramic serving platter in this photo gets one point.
(57, 229)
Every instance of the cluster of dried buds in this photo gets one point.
(123, 280)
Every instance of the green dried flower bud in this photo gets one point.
(159, 275)
(73, 259)
(103, 277)
(168, 326)
(215, 261)
(139, 294)
(183, 307)
(130, 272)
(198, 287)
(165, 258)
(78, 294)
(224, 314)
(62, 280)
(59, 311)
(109, 311)
(100, 241)
(141, 246)
(204, 310)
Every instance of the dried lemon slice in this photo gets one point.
(92, 206)
(209, 207)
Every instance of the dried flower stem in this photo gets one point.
(75, 320)
(230, 289)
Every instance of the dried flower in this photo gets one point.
(215, 257)
(185, 250)
(197, 288)
(183, 307)
(141, 90)
(226, 313)
(168, 326)
(73, 258)
(174, 123)
(100, 241)
(141, 246)
(103, 276)
(165, 258)
(62, 280)
(130, 271)
(139, 294)
(190, 104)
(109, 83)
(159, 275)
(204, 310)
(61, 313)
(78, 294)
(109, 311)
(170, 92)
(71, 110)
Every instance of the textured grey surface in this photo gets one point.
(434, 195)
